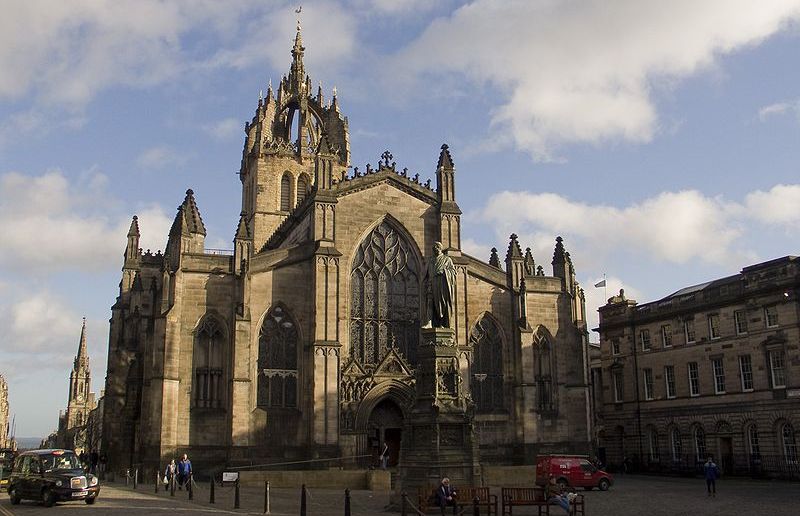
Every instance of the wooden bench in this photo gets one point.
(534, 496)
(465, 496)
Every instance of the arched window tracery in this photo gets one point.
(207, 357)
(384, 297)
(544, 374)
(286, 192)
(487, 365)
(788, 442)
(303, 185)
(277, 360)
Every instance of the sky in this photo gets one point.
(661, 140)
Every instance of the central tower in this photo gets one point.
(296, 141)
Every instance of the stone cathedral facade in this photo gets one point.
(302, 342)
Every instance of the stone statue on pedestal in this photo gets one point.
(440, 278)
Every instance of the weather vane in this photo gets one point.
(298, 11)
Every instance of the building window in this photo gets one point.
(207, 357)
(713, 326)
(615, 346)
(740, 318)
(694, 379)
(544, 366)
(746, 371)
(302, 187)
(688, 331)
(487, 365)
(644, 338)
(648, 383)
(771, 316)
(277, 360)
(669, 378)
(789, 443)
(384, 297)
(719, 376)
(676, 445)
(777, 369)
(666, 335)
(286, 192)
(652, 442)
(618, 385)
(699, 444)
(752, 442)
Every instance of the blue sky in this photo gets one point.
(661, 140)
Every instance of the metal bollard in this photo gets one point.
(172, 485)
(135, 478)
(403, 504)
(127, 477)
(158, 480)
(476, 509)
(347, 502)
(190, 487)
(236, 495)
(266, 497)
(211, 491)
(303, 500)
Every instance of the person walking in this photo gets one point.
(94, 459)
(169, 472)
(385, 455)
(711, 472)
(446, 495)
(184, 471)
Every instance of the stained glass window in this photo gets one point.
(543, 367)
(384, 297)
(208, 387)
(487, 365)
(277, 360)
(286, 192)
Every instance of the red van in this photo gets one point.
(571, 470)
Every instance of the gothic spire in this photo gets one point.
(530, 264)
(445, 160)
(494, 260)
(194, 221)
(298, 74)
(242, 233)
(514, 251)
(559, 257)
(134, 229)
(82, 353)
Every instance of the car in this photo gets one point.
(51, 476)
(6, 463)
(572, 471)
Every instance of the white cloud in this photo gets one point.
(779, 109)
(160, 157)
(779, 205)
(225, 129)
(49, 223)
(584, 71)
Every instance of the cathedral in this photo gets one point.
(73, 424)
(302, 342)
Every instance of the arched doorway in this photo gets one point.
(385, 426)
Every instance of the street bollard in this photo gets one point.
(303, 500)
(266, 497)
(476, 510)
(158, 479)
(347, 502)
(236, 495)
(135, 478)
(127, 477)
(211, 491)
(190, 487)
(403, 504)
(172, 485)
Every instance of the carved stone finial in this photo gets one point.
(387, 158)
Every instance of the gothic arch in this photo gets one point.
(399, 392)
(209, 351)
(385, 283)
(486, 381)
(279, 346)
(303, 187)
(544, 370)
(286, 191)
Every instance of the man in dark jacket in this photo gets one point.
(446, 495)
(184, 471)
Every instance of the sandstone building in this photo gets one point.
(302, 342)
(72, 424)
(713, 369)
(5, 424)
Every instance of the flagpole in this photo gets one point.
(605, 286)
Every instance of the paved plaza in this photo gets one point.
(632, 495)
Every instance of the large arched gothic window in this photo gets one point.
(208, 387)
(286, 192)
(487, 365)
(544, 374)
(789, 443)
(302, 187)
(384, 297)
(277, 360)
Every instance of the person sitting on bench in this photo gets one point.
(446, 495)
(555, 495)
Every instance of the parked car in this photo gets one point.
(6, 464)
(51, 476)
(572, 470)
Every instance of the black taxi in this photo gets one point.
(51, 476)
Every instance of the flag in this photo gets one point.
(600, 284)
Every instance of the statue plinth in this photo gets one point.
(438, 438)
